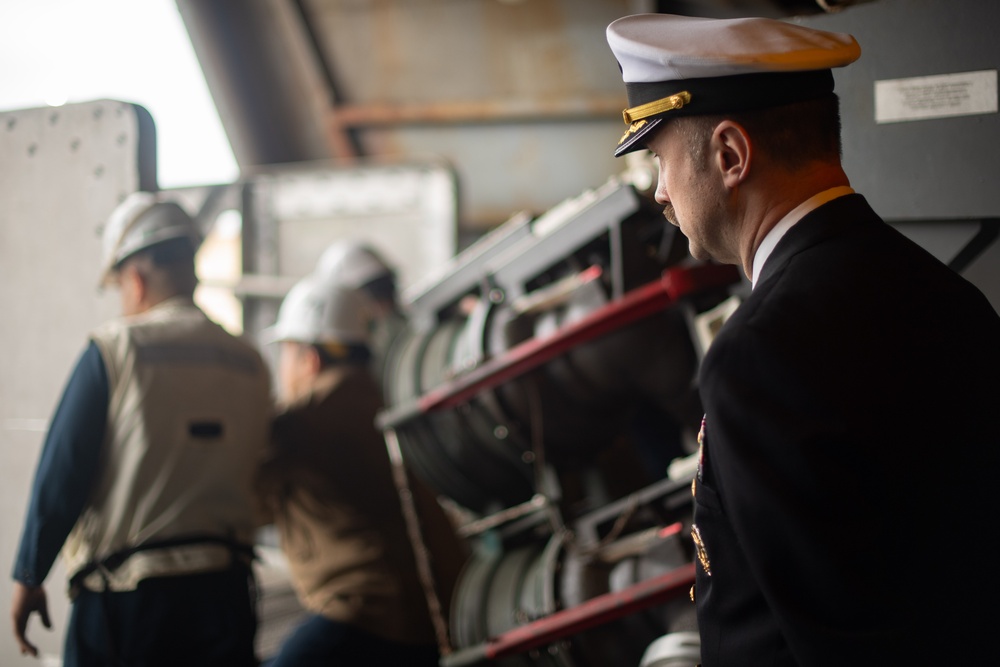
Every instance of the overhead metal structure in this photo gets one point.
(522, 97)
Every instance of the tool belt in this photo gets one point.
(241, 554)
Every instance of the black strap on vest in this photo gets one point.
(115, 560)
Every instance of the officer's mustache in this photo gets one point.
(669, 214)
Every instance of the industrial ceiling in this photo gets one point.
(521, 97)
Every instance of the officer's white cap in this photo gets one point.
(682, 65)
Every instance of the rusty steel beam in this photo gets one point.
(360, 115)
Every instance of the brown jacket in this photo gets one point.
(327, 485)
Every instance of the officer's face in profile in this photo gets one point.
(691, 190)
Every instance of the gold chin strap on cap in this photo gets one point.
(636, 117)
(656, 107)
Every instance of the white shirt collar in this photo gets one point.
(789, 221)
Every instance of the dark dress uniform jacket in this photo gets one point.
(848, 491)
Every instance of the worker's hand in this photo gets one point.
(28, 599)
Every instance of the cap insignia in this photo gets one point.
(633, 128)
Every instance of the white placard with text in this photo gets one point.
(941, 96)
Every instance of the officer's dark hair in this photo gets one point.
(791, 135)
(168, 266)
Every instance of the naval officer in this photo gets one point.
(846, 493)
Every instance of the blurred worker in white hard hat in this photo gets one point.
(358, 265)
(145, 477)
(327, 485)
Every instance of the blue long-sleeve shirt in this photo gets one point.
(67, 468)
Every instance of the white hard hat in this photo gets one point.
(350, 264)
(314, 312)
(143, 220)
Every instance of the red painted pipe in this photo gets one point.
(641, 302)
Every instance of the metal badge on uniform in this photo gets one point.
(701, 458)
(699, 546)
(701, 448)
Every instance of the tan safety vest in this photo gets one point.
(188, 419)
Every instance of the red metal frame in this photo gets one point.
(596, 611)
(641, 302)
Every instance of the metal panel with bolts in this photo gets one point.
(62, 171)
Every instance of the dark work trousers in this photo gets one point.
(320, 642)
(195, 620)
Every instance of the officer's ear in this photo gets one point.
(732, 152)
